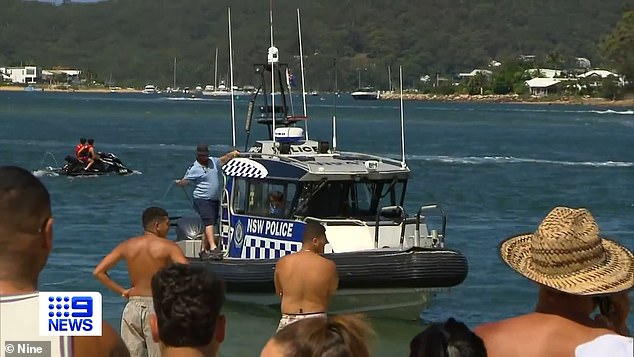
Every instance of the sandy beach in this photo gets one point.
(73, 90)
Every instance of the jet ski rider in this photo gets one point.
(81, 151)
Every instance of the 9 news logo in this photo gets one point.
(70, 313)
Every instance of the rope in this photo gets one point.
(167, 191)
(187, 196)
(169, 188)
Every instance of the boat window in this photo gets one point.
(267, 199)
(349, 199)
(239, 196)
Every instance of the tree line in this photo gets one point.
(134, 42)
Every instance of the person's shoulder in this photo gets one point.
(489, 329)
(284, 259)
(108, 344)
(328, 262)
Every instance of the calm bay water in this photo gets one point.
(496, 168)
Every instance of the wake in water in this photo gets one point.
(500, 160)
(47, 171)
(610, 111)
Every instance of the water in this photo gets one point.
(496, 168)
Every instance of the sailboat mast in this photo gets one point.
(233, 105)
(216, 71)
(272, 56)
(400, 76)
(301, 63)
(174, 73)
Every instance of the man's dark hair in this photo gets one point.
(312, 230)
(153, 214)
(449, 339)
(82, 140)
(91, 141)
(187, 303)
(25, 204)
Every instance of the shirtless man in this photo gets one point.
(571, 263)
(305, 280)
(26, 240)
(144, 256)
(93, 156)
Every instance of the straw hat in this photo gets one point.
(566, 253)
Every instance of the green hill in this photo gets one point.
(135, 41)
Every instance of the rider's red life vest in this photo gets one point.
(78, 148)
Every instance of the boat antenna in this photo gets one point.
(233, 104)
(247, 126)
(301, 64)
(400, 74)
(272, 57)
(334, 109)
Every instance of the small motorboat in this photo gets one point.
(109, 163)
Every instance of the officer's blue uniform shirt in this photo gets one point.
(205, 179)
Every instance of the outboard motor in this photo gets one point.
(189, 228)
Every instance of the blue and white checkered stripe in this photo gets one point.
(266, 248)
(242, 167)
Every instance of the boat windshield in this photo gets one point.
(263, 198)
(349, 199)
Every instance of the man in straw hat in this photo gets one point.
(572, 265)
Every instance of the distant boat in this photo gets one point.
(33, 89)
(366, 93)
(314, 93)
(149, 89)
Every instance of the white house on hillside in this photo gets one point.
(542, 86)
(26, 75)
(544, 72)
(475, 72)
(597, 76)
(69, 75)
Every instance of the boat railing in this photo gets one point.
(224, 225)
(305, 164)
(281, 157)
(336, 221)
(438, 238)
(394, 212)
(370, 157)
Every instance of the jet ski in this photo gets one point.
(109, 163)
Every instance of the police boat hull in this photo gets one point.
(373, 269)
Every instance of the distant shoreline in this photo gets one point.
(509, 98)
(73, 90)
(457, 98)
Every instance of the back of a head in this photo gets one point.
(25, 204)
(91, 141)
(449, 339)
(82, 140)
(153, 214)
(336, 336)
(312, 230)
(187, 302)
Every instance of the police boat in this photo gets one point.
(387, 259)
